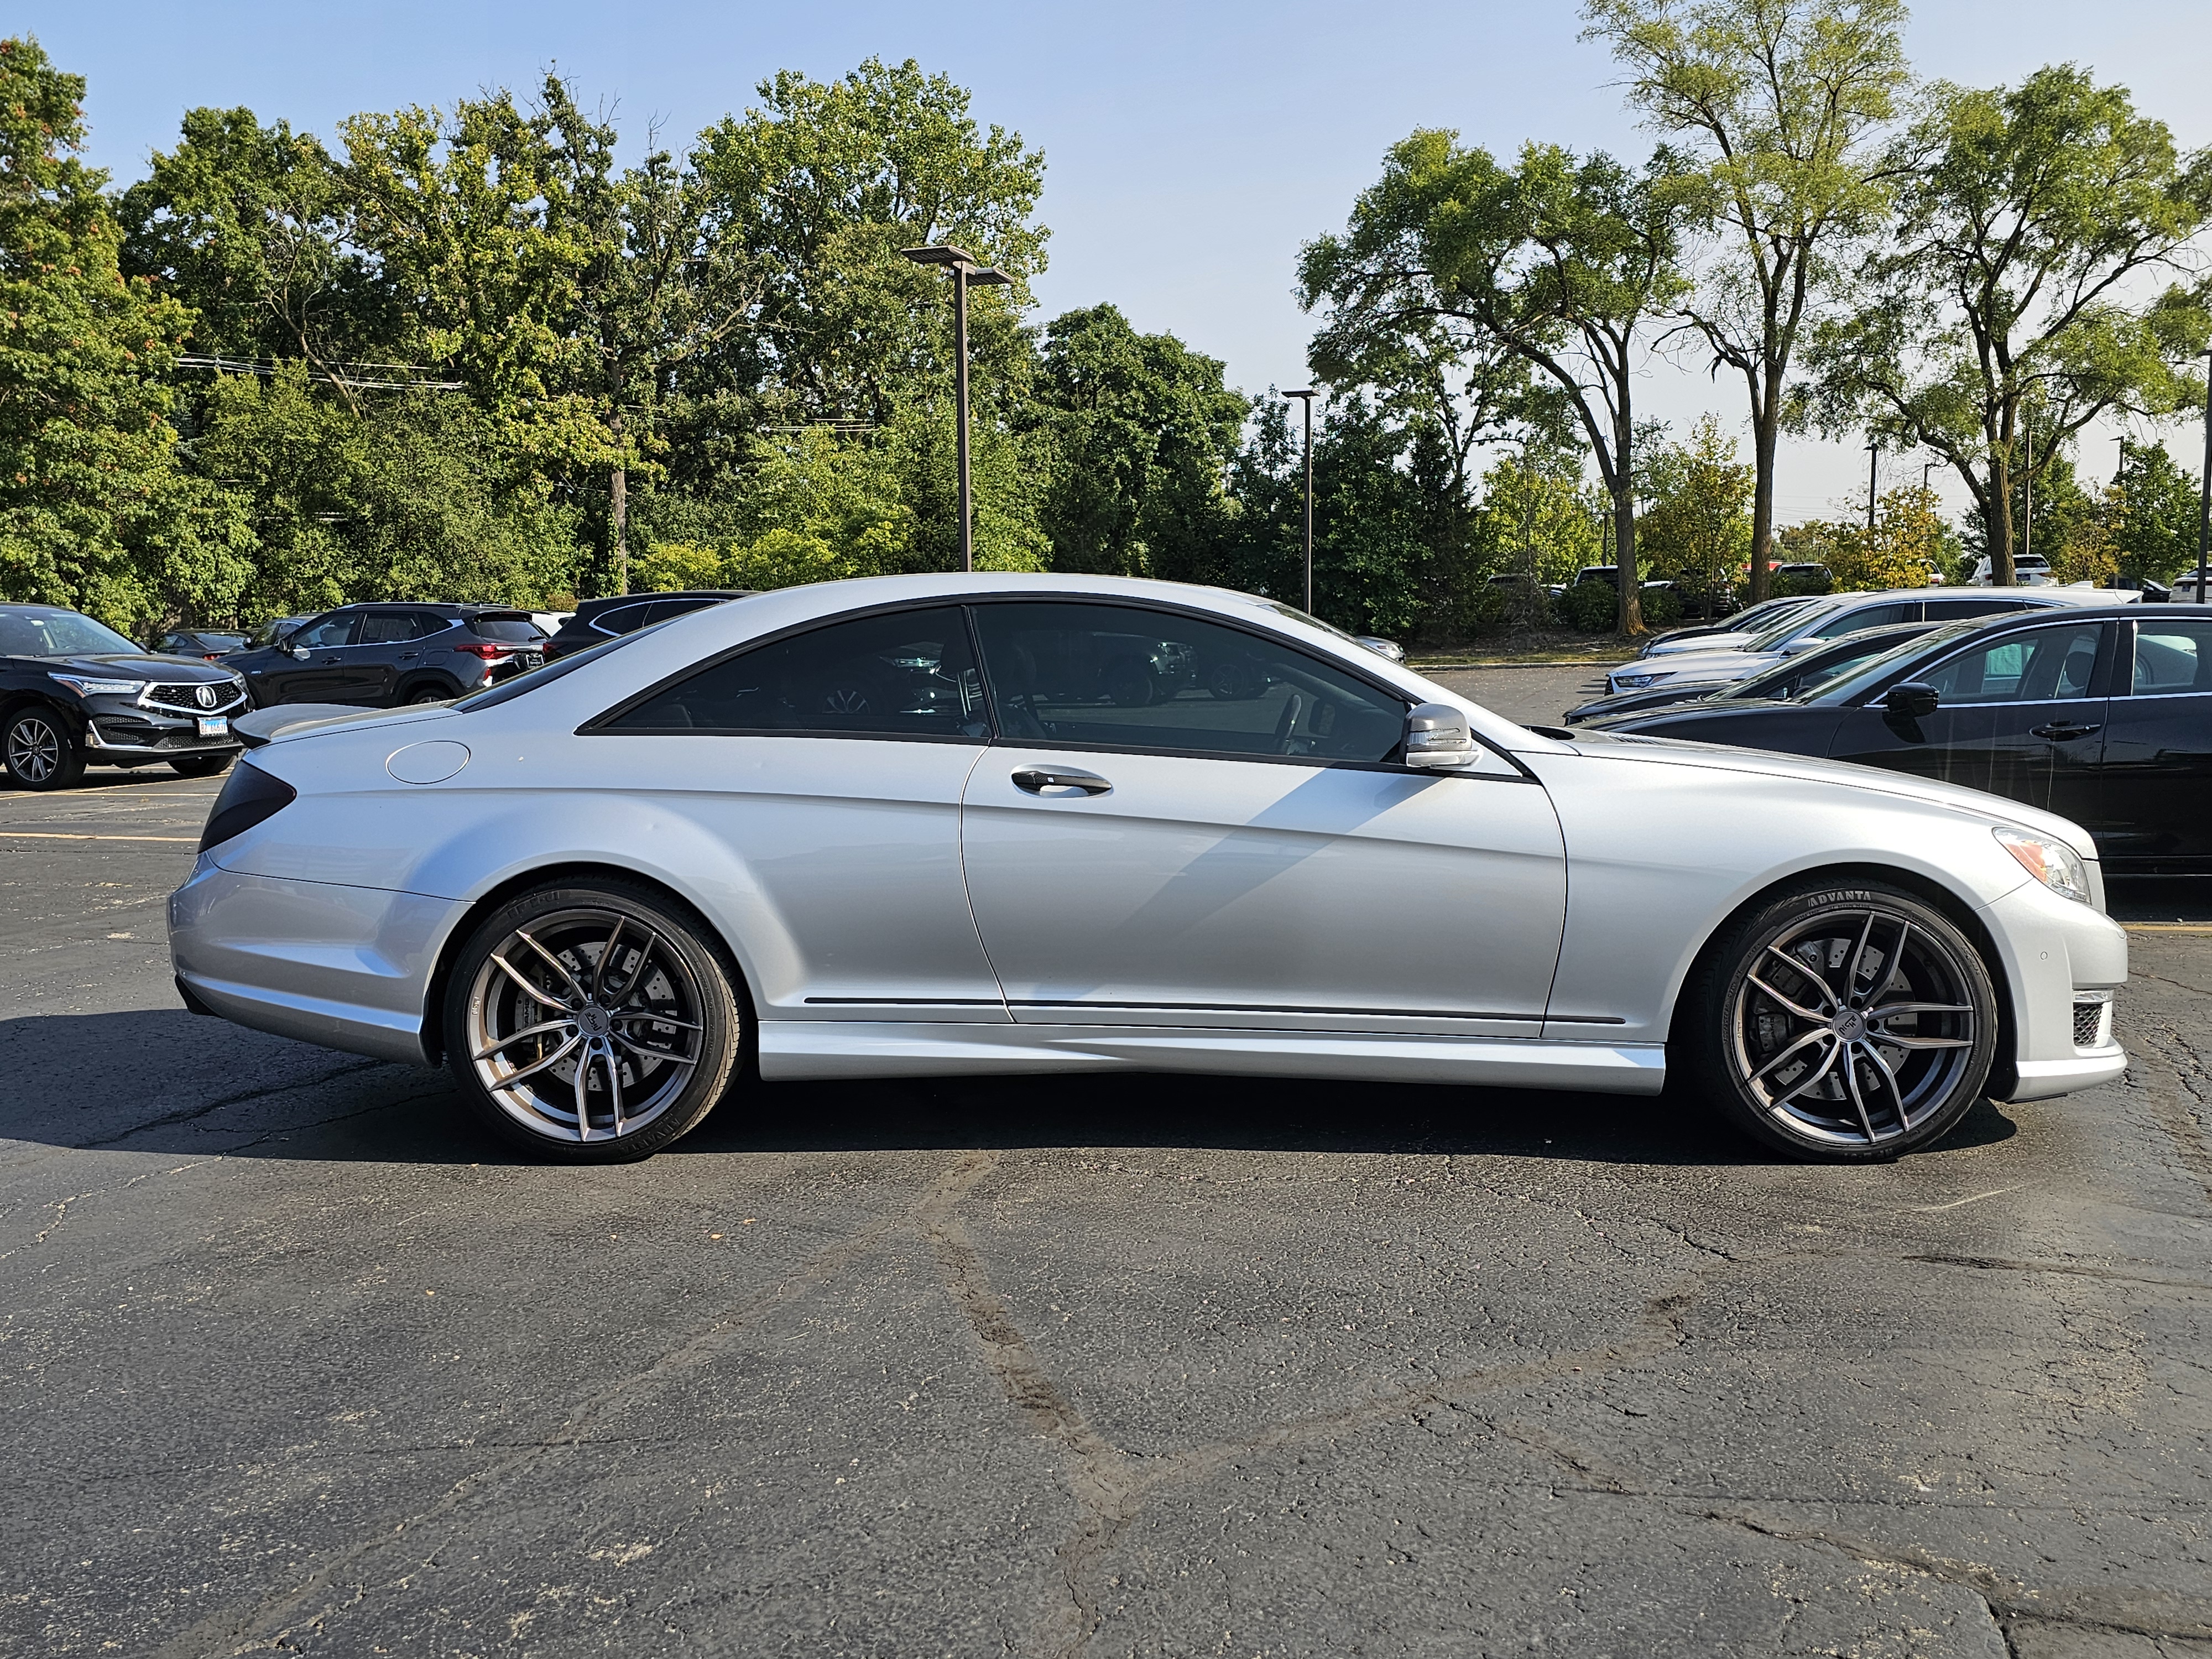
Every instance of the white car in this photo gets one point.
(925, 825)
(2028, 570)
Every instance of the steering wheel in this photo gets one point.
(1286, 727)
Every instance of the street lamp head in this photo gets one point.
(990, 276)
(1307, 392)
(943, 253)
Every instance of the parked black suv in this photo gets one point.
(206, 644)
(598, 621)
(382, 655)
(73, 690)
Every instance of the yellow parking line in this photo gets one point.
(2167, 927)
(56, 834)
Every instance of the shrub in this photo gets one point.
(1593, 607)
(1662, 607)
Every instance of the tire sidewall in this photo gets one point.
(68, 767)
(1729, 965)
(722, 1018)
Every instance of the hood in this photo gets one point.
(1702, 664)
(1635, 748)
(1669, 647)
(119, 665)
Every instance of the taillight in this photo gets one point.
(488, 652)
(250, 797)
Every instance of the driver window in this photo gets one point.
(330, 631)
(2040, 665)
(1125, 677)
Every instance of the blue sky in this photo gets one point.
(1189, 149)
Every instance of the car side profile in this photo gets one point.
(380, 656)
(905, 827)
(74, 692)
(1781, 681)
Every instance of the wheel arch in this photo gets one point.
(413, 682)
(1955, 906)
(544, 875)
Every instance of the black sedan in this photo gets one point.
(2103, 715)
(73, 690)
(379, 656)
(1793, 676)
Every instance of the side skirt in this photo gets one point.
(792, 1049)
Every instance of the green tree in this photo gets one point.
(1537, 522)
(1141, 429)
(2005, 316)
(1562, 263)
(95, 511)
(1784, 101)
(2153, 516)
(1695, 528)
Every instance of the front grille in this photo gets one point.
(186, 699)
(2091, 1025)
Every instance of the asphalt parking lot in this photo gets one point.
(295, 1360)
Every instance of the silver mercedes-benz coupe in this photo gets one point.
(961, 824)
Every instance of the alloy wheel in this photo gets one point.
(1853, 1026)
(584, 1026)
(34, 750)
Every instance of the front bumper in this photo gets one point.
(345, 967)
(2059, 956)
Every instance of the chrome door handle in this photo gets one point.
(1037, 779)
(2060, 732)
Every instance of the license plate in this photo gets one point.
(217, 725)
(531, 659)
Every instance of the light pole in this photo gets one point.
(1307, 395)
(1926, 467)
(965, 270)
(1874, 457)
(2204, 492)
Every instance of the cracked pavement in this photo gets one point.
(294, 1359)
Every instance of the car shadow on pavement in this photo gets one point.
(166, 1081)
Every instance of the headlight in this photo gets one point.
(84, 686)
(2053, 863)
(1634, 682)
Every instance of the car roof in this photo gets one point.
(588, 608)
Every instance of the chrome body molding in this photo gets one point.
(794, 1049)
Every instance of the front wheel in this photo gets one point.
(593, 1024)
(41, 752)
(1842, 1023)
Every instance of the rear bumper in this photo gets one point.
(345, 967)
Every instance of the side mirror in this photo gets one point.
(1438, 737)
(1912, 700)
(1795, 646)
(299, 651)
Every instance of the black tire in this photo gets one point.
(1231, 680)
(1127, 684)
(428, 694)
(41, 750)
(201, 766)
(1782, 1032)
(667, 976)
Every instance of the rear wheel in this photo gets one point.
(428, 694)
(593, 1024)
(1844, 1024)
(201, 766)
(41, 752)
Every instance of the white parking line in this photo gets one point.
(56, 834)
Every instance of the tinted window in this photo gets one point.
(621, 619)
(2173, 656)
(516, 630)
(1130, 678)
(387, 627)
(904, 674)
(2039, 665)
(661, 610)
(1851, 619)
(329, 631)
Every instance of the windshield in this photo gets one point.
(1794, 681)
(1774, 635)
(1766, 614)
(59, 634)
(1297, 615)
(1866, 675)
